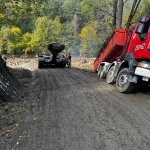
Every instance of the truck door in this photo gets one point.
(141, 41)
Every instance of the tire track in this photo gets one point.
(74, 111)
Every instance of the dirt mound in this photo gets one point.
(21, 73)
(14, 89)
(10, 87)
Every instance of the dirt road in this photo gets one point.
(72, 110)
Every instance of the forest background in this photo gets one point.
(28, 26)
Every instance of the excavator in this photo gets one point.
(55, 59)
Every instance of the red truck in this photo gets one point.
(125, 60)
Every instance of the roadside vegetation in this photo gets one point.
(82, 25)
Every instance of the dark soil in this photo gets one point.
(71, 109)
(13, 110)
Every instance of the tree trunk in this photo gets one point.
(115, 2)
(135, 5)
(120, 13)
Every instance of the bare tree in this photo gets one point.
(120, 13)
(124, 2)
(135, 6)
(115, 2)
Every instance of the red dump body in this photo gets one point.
(113, 48)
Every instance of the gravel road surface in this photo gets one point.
(71, 109)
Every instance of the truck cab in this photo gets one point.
(140, 40)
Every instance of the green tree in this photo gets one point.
(38, 23)
(26, 39)
(89, 40)
(46, 31)
(51, 8)
(5, 44)
(15, 39)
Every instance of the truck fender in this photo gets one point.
(116, 66)
(110, 65)
(119, 66)
(125, 64)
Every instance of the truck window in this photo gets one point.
(145, 31)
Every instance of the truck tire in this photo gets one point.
(39, 65)
(63, 65)
(110, 79)
(123, 84)
(99, 71)
(101, 75)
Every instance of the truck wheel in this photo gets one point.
(101, 72)
(39, 65)
(110, 79)
(123, 84)
(98, 73)
(63, 66)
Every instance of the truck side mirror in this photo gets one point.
(140, 28)
(144, 19)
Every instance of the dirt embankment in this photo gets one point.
(14, 84)
(10, 87)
